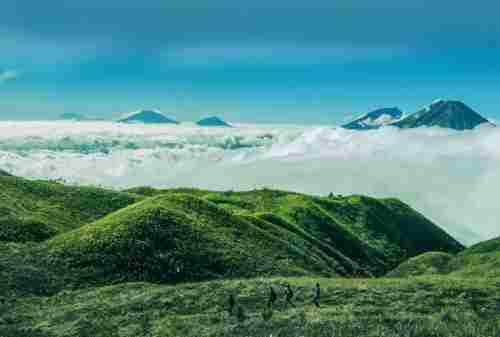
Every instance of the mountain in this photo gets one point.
(148, 117)
(212, 121)
(73, 117)
(445, 114)
(4, 173)
(482, 259)
(375, 119)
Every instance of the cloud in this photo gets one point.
(451, 177)
(8, 75)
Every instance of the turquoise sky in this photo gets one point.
(269, 61)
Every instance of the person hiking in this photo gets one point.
(232, 304)
(272, 297)
(289, 295)
(317, 295)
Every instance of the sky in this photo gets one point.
(273, 61)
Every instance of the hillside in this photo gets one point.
(90, 237)
(154, 263)
(37, 210)
(420, 307)
(445, 114)
(482, 259)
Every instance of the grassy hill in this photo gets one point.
(185, 235)
(90, 236)
(154, 263)
(417, 307)
(482, 259)
(38, 210)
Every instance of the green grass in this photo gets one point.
(39, 210)
(482, 259)
(186, 235)
(153, 263)
(418, 307)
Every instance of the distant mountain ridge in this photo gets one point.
(375, 119)
(212, 121)
(445, 114)
(148, 117)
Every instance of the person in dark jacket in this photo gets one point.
(289, 295)
(317, 295)
(232, 304)
(272, 297)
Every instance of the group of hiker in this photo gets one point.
(273, 297)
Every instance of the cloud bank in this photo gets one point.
(451, 177)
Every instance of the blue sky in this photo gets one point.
(268, 61)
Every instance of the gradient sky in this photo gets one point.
(292, 61)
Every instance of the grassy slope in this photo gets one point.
(417, 307)
(178, 237)
(185, 235)
(376, 233)
(38, 210)
(190, 234)
(482, 260)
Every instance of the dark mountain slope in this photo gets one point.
(212, 121)
(446, 114)
(375, 119)
(148, 117)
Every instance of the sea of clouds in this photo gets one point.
(451, 177)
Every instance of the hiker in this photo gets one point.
(289, 295)
(317, 295)
(272, 297)
(232, 303)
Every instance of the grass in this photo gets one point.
(81, 261)
(482, 259)
(186, 235)
(38, 210)
(417, 307)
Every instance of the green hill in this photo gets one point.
(153, 263)
(480, 260)
(185, 235)
(91, 236)
(37, 210)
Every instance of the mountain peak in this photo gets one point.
(148, 117)
(375, 119)
(212, 121)
(445, 114)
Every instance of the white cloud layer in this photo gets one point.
(451, 177)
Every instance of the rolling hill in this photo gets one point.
(148, 262)
(480, 260)
(37, 210)
(89, 236)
